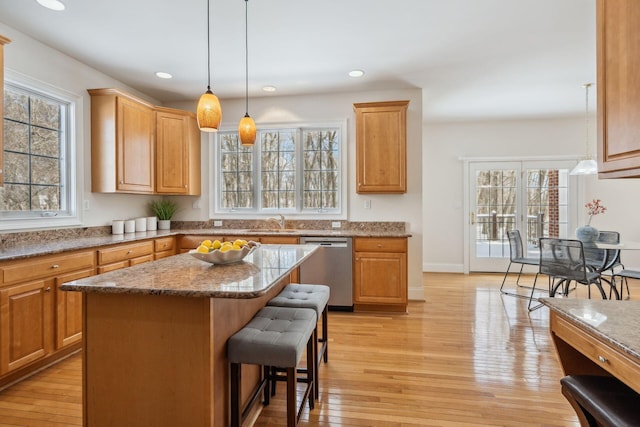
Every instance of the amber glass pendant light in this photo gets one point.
(209, 112)
(246, 127)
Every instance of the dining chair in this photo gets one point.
(563, 261)
(516, 256)
(612, 259)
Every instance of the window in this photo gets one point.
(37, 152)
(289, 170)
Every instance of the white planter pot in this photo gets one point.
(164, 224)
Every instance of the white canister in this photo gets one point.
(130, 226)
(141, 224)
(152, 223)
(117, 226)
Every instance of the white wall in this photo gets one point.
(446, 143)
(35, 60)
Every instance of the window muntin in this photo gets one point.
(37, 143)
(295, 170)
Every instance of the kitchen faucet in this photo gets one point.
(279, 221)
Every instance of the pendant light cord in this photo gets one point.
(587, 86)
(246, 56)
(208, 46)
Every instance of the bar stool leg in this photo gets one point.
(292, 407)
(236, 381)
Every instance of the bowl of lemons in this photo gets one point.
(217, 252)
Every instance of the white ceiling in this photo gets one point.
(474, 59)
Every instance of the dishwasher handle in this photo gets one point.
(334, 243)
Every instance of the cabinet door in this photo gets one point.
(135, 152)
(3, 41)
(25, 327)
(69, 310)
(618, 46)
(380, 278)
(381, 148)
(172, 156)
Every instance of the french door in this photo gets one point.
(536, 197)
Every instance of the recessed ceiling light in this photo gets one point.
(52, 4)
(269, 88)
(356, 73)
(163, 75)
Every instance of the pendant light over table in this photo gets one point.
(588, 166)
(209, 112)
(246, 127)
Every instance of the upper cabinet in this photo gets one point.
(381, 147)
(618, 53)
(3, 41)
(142, 149)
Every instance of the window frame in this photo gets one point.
(299, 212)
(70, 153)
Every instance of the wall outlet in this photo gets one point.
(196, 204)
(85, 205)
(217, 223)
(367, 204)
(335, 224)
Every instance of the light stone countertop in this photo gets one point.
(184, 275)
(32, 249)
(614, 321)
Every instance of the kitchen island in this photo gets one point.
(154, 348)
(597, 337)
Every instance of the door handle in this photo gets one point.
(473, 218)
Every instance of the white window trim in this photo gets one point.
(217, 213)
(75, 170)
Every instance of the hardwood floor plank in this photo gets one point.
(467, 356)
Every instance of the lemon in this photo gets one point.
(203, 249)
(240, 242)
(236, 247)
(227, 244)
(226, 248)
(206, 243)
(216, 244)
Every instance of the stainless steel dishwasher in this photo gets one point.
(331, 265)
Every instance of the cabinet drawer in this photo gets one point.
(46, 266)
(141, 260)
(164, 244)
(380, 245)
(115, 266)
(124, 252)
(608, 358)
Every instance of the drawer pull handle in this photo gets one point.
(48, 289)
(603, 359)
(55, 266)
(379, 245)
(129, 252)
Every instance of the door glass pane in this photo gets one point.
(495, 211)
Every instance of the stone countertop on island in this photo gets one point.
(616, 322)
(184, 275)
(31, 249)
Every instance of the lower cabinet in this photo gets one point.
(38, 322)
(124, 255)
(380, 274)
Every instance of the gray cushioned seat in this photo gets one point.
(298, 295)
(276, 336)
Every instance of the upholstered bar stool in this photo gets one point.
(275, 337)
(314, 297)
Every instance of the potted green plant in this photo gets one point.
(164, 210)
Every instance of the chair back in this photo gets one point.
(563, 258)
(612, 255)
(515, 245)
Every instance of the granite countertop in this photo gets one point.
(616, 322)
(184, 275)
(48, 247)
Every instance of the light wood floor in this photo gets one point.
(467, 356)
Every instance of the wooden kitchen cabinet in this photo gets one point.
(164, 247)
(381, 147)
(177, 152)
(380, 274)
(618, 58)
(140, 148)
(124, 255)
(122, 143)
(40, 324)
(3, 41)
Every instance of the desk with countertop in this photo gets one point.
(597, 337)
(155, 335)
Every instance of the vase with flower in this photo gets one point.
(587, 233)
